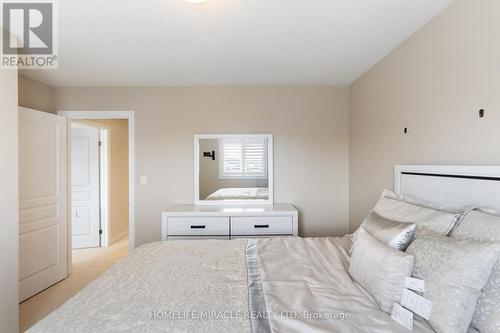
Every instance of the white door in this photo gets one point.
(85, 183)
(43, 217)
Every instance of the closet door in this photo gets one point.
(43, 214)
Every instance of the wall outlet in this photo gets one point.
(144, 180)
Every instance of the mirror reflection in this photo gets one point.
(233, 168)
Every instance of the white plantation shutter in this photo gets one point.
(232, 153)
(243, 158)
(254, 157)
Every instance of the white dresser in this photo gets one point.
(229, 222)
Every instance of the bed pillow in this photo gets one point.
(397, 235)
(396, 208)
(454, 272)
(393, 207)
(380, 270)
(427, 204)
(480, 226)
(439, 221)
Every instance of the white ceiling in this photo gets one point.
(229, 42)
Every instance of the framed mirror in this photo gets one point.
(233, 169)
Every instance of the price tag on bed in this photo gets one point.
(415, 284)
(416, 303)
(402, 316)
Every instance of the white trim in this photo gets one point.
(69, 195)
(130, 115)
(270, 170)
(105, 158)
(89, 115)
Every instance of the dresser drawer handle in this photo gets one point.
(197, 227)
(261, 226)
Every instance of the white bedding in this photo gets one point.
(310, 274)
(162, 276)
(296, 275)
(239, 194)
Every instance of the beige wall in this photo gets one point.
(118, 174)
(310, 127)
(36, 95)
(209, 172)
(434, 84)
(8, 202)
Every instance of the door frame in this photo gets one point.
(130, 116)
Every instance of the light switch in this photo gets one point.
(144, 180)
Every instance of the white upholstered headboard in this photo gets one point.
(452, 186)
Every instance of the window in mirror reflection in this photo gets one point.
(243, 159)
(238, 172)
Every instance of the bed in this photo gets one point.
(249, 193)
(282, 284)
(289, 284)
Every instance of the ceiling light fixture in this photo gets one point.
(195, 1)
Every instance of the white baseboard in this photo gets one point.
(119, 236)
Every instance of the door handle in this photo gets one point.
(261, 226)
(197, 227)
(76, 213)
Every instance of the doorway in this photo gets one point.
(90, 184)
(100, 182)
(103, 117)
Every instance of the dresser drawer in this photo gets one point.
(198, 226)
(261, 225)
